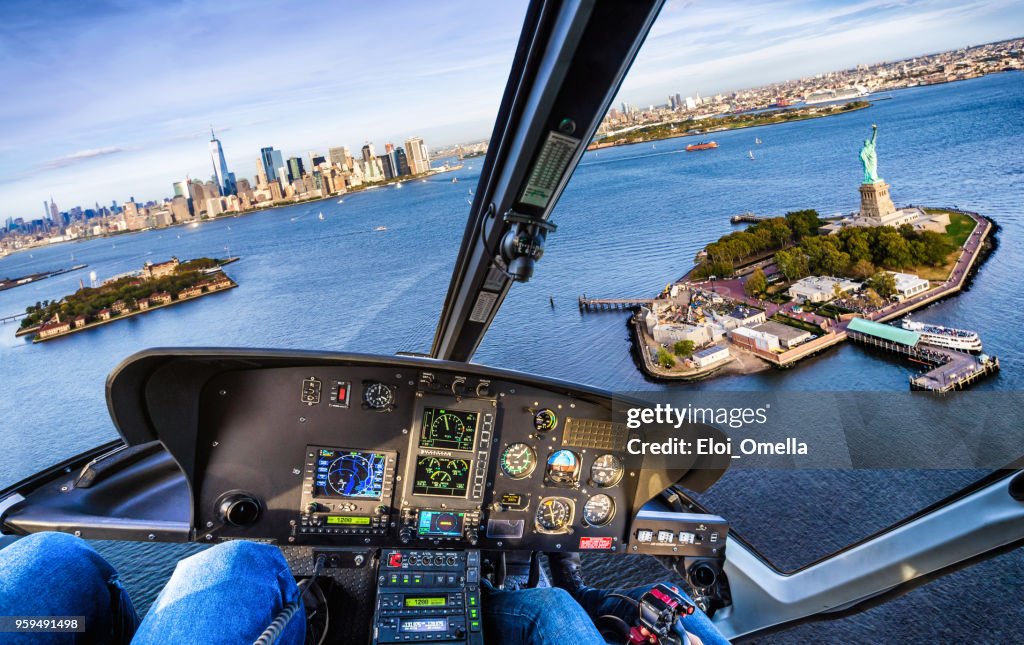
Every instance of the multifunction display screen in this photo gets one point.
(349, 473)
(441, 476)
(424, 625)
(426, 601)
(348, 520)
(440, 524)
(448, 429)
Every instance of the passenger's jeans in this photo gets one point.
(227, 594)
(233, 591)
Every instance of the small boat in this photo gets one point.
(341, 201)
(320, 216)
(381, 228)
(294, 219)
(194, 225)
(750, 153)
(757, 141)
(398, 185)
(703, 145)
(455, 180)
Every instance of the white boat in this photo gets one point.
(398, 185)
(320, 216)
(961, 339)
(750, 153)
(381, 228)
(341, 201)
(455, 180)
(827, 96)
(757, 140)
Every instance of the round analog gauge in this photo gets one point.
(448, 425)
(606, 471)
(518, 460)
(545, 420)
(378, 396)
(563, 467)
(599, 510)
(554, 515)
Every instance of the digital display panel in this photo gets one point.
(441, 476)
(349, 473)
(426, 601)
(348, 519)
(424, 625)
(448, 429)
(440, 524)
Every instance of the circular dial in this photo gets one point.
(545, 420)
(606, 471)
(448, 427)
(378, 396)
(599, 510)
(554, 514)
(518, 460)
(349, 475)
(457, 467)
(563, 467)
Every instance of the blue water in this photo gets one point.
(631, 220)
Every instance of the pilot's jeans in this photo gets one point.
(552, 616)
(227, 594)
(230, 594)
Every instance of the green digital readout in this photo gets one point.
(426, 601)
(347, 519)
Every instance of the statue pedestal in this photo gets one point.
(875, 203)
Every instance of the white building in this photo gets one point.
(820, 288)
(753, 339)
(743, 316)
(788, 336)
(668, 333)
(908, 284)
(711, 355)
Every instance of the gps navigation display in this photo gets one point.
(349, 473)
(448, 429)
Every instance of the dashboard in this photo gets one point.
(354, 455)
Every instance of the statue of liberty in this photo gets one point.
(869, 158)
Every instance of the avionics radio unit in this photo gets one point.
(347, 491)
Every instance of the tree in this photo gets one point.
(756, 284)
(803, 223)
(883, 283)
(862, 269)
(793, 264)
(665, 358)
(892, 249)
(683, 348)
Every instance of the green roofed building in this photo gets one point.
(884, 332)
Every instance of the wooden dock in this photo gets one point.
(746, 218)
(12, 318)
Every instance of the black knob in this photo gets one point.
(239, 509)
(405, 535)
(383, 509)
(312, 507)
(472, 536)
(459, 632)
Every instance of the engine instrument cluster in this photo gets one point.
(426, 460)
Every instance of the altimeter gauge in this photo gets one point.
(606, 471)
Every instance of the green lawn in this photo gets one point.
(959, 227)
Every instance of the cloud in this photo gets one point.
(81, 156)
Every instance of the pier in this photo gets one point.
(950, 369)
(611, 304)
(12, 318)
(746, 218)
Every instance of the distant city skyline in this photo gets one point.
(115, 101)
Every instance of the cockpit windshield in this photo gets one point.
(780, 198)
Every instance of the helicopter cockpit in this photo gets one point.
(409, 480)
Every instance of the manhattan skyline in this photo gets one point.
(124, 105)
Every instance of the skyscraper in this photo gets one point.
(340, 157)
(368, 152)
(401, 161)
(220, 167)
(418, 156)
(295, 169)
(181, 189)
(272, 160)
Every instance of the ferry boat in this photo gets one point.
(961, 339)
(827, 96)
(703, 145)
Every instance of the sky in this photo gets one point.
(114, 99)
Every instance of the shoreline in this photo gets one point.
(987, 243)
(594, 147)
(251, 211)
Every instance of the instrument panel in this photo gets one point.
(372, 455)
